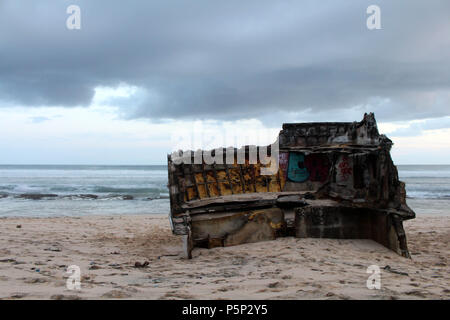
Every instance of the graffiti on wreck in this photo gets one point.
(345, 169)
(283, 163)
(318, 167)
(297, 171)
(301, 168)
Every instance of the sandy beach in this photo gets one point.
(35, 253)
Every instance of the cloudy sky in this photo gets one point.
(140, 76)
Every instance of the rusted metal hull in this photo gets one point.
(334, 180)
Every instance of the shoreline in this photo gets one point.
(423, 207)
(110, 248)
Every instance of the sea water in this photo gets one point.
(83, 190)
(111, 190)
(427, 188)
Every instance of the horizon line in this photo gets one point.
(165, 164)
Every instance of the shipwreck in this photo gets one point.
(331, 180)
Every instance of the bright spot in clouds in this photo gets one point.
(97, 135)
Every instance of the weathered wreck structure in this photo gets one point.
(333, 180)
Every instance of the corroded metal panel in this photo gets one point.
(239, 227)
(344, 222)
(194, 182)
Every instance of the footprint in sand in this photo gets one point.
(64, 297)
(116, 294)
(177, 294)
(19, 295)
(35, 280)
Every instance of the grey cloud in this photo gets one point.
(418, 128)
(231, 60)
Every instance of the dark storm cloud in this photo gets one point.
(230, 59)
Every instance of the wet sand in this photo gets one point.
(35, 253)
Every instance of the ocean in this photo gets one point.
(82, 190)
(427, 188)
(60, 190)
